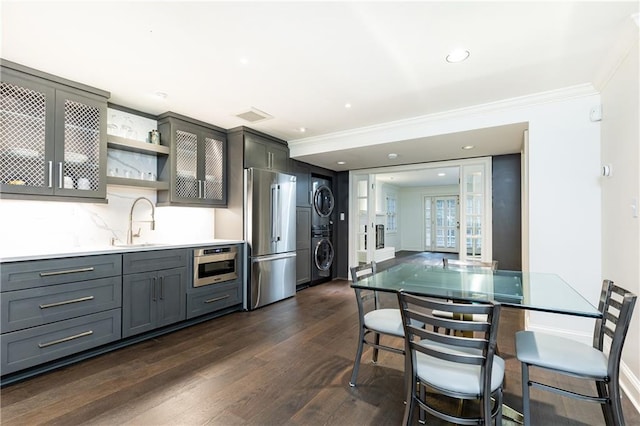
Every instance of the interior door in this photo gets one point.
(365, 218)
(441, 215)
(475, 205)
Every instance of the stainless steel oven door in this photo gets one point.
(215, 265)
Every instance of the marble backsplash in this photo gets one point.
(50, 225)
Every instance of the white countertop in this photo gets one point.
(8, 254)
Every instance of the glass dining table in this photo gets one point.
(535, 291)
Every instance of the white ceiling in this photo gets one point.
(301, 62)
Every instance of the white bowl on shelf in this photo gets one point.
(74, 157)
(23, 152)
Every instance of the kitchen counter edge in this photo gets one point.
(89, 251)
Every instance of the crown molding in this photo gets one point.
(378, 131)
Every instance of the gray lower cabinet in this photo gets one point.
(213, 298)
(157, 297)
(37, 345)
(58, 307)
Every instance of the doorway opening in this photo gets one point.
(437, 207)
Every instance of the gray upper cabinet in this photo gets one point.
(196, 168)
(304, 192)
(265, 152)
(53, 137)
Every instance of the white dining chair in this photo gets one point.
(373, 320)
(464, 367)
(599, 362)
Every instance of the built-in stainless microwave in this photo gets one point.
(214, 265)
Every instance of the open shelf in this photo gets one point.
(117, 142)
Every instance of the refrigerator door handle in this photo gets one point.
(273, 257)
(275, 213)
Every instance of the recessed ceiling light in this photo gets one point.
(347, 105)
(244, 61)
(457, 55)
(342, 163)
(302, 129)
(468, 147)
(160, 95)
(393, 156)
(442, 174)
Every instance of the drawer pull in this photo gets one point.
(66, 339)
(66, 302)
(215, 299)
(67, 271)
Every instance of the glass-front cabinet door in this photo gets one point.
(186, 183)
(213, 186)
(80, 149)
(196, 168)
(26, 123)
(52, 142)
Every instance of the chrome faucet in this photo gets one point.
(130, 233)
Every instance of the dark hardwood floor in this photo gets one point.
(287, 363)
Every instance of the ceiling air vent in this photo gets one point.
(254, 115)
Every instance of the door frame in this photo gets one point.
(487, 238)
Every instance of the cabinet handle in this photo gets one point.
(310, 197)
(153, 289)
(50, 174)
(66, 271)
(60, 175)
(161, 288)
(65, 339)
(66, 302)
(215, 299)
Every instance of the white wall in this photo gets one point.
(620, 229)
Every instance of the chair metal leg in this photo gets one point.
(525, 394)
(423, 395)
(376, 339)
(410, 401)
(499, 407)
(615, 403)
(356, 363)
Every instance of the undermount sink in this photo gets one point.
(140, 245)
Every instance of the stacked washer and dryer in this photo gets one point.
(321, 230)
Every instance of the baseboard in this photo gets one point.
(629, 383)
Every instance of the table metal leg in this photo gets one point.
(512, 415)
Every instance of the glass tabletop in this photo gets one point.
(525, 290)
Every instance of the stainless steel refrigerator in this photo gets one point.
(270, 231)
